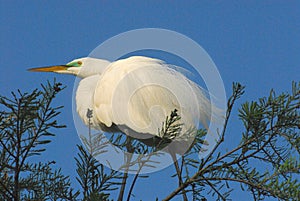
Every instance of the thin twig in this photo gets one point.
(178, 172)
(216, 190)
(230, 104)
(127, 161)
(7, 190)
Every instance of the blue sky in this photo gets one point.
(255, 43)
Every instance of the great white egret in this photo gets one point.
(135, 95)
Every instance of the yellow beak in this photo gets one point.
(49, 68)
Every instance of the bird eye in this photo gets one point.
(74, 64)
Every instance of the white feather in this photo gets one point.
(137, 94)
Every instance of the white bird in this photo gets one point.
(135, 95)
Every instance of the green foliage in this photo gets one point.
(26, 120)
(265, 163)
(44, 183)
(95, 183)
(271, 139)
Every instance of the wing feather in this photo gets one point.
(140, 92)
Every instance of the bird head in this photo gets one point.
(82, 67)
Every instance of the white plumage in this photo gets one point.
(135, 94)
